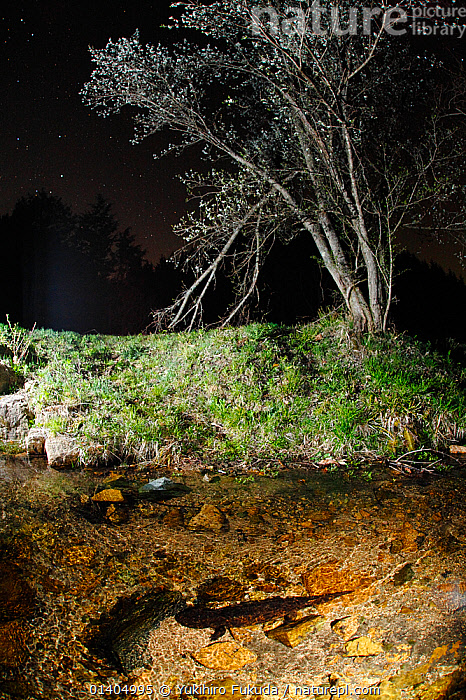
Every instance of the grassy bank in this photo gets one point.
(242, 394)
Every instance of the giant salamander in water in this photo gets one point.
(249, 613)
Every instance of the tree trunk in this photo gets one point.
(366, 315)
(360, 312)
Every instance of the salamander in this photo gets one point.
(249, 613)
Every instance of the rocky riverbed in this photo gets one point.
(95, 566)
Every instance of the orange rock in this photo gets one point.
(209, 518)
(329, 578)
(363, 646)
(109, 496)
(346, 627)
(293, 633)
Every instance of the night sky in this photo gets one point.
(50, 140)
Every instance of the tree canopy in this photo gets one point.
(324, 119)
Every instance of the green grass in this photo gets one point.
(248, 393)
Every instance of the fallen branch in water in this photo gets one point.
(403, 465)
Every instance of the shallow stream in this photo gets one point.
(78, 549)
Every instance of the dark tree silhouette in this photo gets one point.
(429, 302)
(35, 232)
(77, 272)
(94, 234)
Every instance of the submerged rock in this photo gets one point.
(162, 489)
(209, 518)
(293, 633)
(406, 573)
(228, 656)
(173, 518)
(346, 627)
(363, 646)
(109, 496)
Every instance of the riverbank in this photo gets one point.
(258, 395)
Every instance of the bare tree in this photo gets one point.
(305, 103)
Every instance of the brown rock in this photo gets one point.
(209, 518)
(363, 646)
(403, 575)
(396, 546)
(409, 538)
(109, 496)
(329, 578)
(224, 656)
(293, 633)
